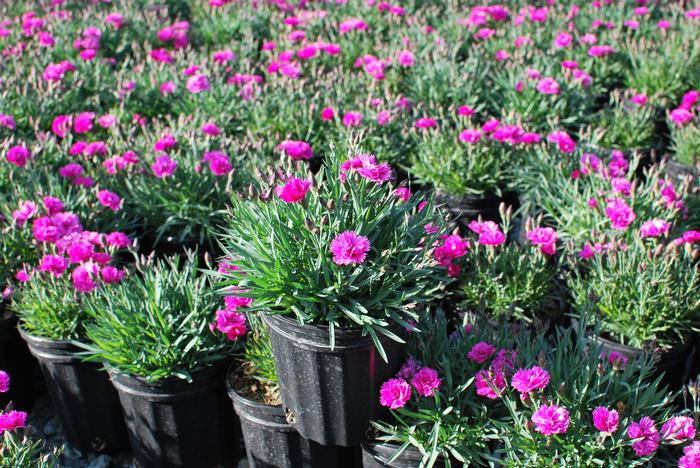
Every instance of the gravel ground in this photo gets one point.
(45, 426)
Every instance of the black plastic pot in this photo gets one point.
(677, 171)
(466, 209)
(17, 361)
(85, 402)
(378, 454)
(173, 423)
(270, 442)
(330, 395)
(674, 363)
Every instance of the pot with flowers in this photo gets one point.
(684, 123)
(443, 400)
(167, 361)
(74, 264)
(270, 440)
(337, 262)
(512, 281)
(17, 449)
(645, 293)
(470, 169)
(571, 403)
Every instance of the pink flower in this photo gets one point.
(294, 190)
(25, 212)
(425, 122)
(210, 129)
(197, 83)
(7, 121)
(234, 302)
(12, 420)
(223, 56)
(546, 238)
(681, 116)
(4, 382)
(678, 428)
(622, 186)
(640, 99)
(366, 166)
(83, 122)
(167, 87)
(406, 58)
(296, 149)
(394, 393)
(118, 240)
(352, 119)
(465, 111)
(231, 323)
(605, 420)
(470, 136)
(84, 276)
(691, 456)
(691, 236)
(219, 163)
(601, 50)
(563, 140)
(548, 85)
(408, 370)
(54, 264)
(551, 420)
(112, 275)
(646, 436)
(164, 166)
(490, 383)
(481, 352)
(349, 248)
(426, 381)
(18, 155)
(489, 232)
(166, 142)
(619, 213)
(563, 40)
(527, 380)
(654, 228)
(403, 193)
(109, 199)
(327, 114)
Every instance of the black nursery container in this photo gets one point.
(331, 395)
(270, 442)
(17, 361)
(465, 209)
(84, 400)
(378, 454)
(173, 423)
(674, 363)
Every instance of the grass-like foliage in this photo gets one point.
(19, 450)
(157, 323)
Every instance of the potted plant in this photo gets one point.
(470, 169)
(337, 262)
(644, 293)
(154, 334)
(442, 405)
(270, 440)
(684, 124)
(16, 447)
(49, 302)
(511, 280)
(571, 403)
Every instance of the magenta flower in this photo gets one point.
(409, 369)
(425, 122)
(605, 420)
(678, 428)
(619, 213)
(681, 116)
(112, 275)
(197, 83)
(18, 155)
(481, 352)
(26, 211)
(527, 380)
(550, 420)
(210, 129)
(548, 85)
(546, 238)
(231, 323)
(470, 136)
(83, 122)
(219, 163)
(4, 381)
(349, 248)
(118, 240)
(109, 199)
(84, 276)
(489, 232)
(52, 205)
(645, 435)
(654, 228)
(294, 190)
(490, 383)
(426, 381)
(12, 420)
(352, 119)
(394, 393)
(691, 456)
(366, 166)
(164, 166)
(54, 264)
(296, 149)
(234, 302)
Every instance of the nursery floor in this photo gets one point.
(45, 426)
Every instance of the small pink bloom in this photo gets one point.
(394, 393)
(210, 129)
(18, 155)
(219, 163)
(25, 212)
(231, 323)
(111, 275)
(550, 420)
(426, 381)
(164, 166)
(109, 199)
(54, 264)
(327, 114)
(490, 383)
(349, 248)
(481, 352)
(527, 380)
(470, 136)
(545, 237)
(4, 382)
(296, 149)
(691, 456)
(646, 436)
(619, 213)
(352, 119)
(84, 276)
(654, 228)
(12, 420)
(118, 240)
(678, 428)
(197, 84)
(605, 420)
(294, 190)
